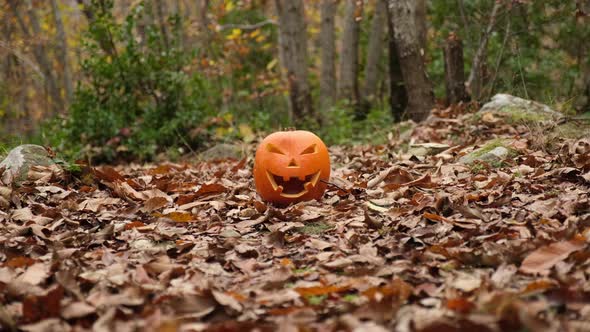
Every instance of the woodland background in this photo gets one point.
(136, 79)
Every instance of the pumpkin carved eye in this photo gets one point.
(273, 149)
(309, 150)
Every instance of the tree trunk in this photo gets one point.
(585, 108)
(203, 7)
(39, 52)
(375, 50)
(418, 85)
(200, 37)
(62, 44)
(328, 54)
(162, 14)
(421, 28)
(293, 51)
(106, 42)
(349, 61)
(178, 24)
(454, 71)
(582, 8)
(398, 97)
(475, 81)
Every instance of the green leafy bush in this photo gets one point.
(136, 99)
(342, 128)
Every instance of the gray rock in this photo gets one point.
(20, 160)
(486, 154)
(516, 109)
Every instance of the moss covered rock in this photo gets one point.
(492, 152)
(515, 110)
(20, 160)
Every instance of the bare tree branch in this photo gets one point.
(474, 81)
(23, 58)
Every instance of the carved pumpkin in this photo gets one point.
(289, 167)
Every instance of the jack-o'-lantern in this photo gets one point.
(291, 166)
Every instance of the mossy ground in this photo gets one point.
(573, 129)
(489, 147)
(517, 115)
(314, 228)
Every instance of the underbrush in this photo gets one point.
(137, 99)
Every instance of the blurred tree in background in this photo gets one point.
(137, 78)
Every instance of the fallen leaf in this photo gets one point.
(154, 203)
(176, 216)
(77, 310)
(19, 261)
(43, 306)
(227, 300)
(544, 258)
(321, 290)
(460, 305)
(35, 274)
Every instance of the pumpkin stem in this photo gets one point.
(290, 129)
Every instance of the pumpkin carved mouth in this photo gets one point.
(293, 187)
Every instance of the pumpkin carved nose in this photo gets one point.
(292, 163)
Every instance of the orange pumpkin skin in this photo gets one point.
(290, 167)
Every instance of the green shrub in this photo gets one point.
(136, 99)
(340, 126)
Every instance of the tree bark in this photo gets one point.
(349, 61)
(63, 51)
(106, 43)
(200, 37)
(398, 97)
(293, 55)
(162, 14)
(202, 7)
(39, 52)
(375, 50)
(475, 82)
(582, 84)
(586, 91)
(418, 85)
(178, 28)
(328, 54)
(454, 71)
(421, 28)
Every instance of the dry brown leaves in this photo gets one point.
(398, 243)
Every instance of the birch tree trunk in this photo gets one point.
(39, 52)
(349, 55)
(62, 44)
(293, 51)
(375, 50)
(417, 83)
(328, 54)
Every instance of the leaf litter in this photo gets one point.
(399, 242)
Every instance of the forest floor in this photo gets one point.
(398, 242)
